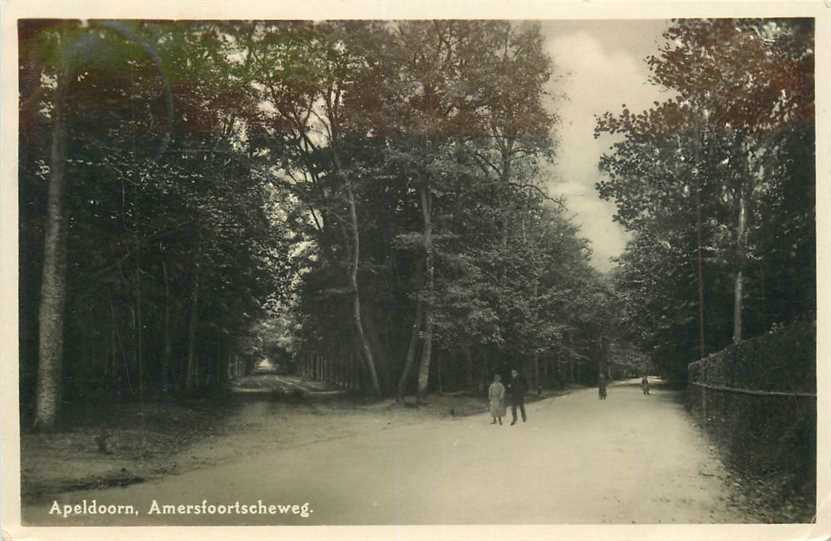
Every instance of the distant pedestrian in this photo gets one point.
(645, 385)
(517, 387)
(601, 386)
(496, 396)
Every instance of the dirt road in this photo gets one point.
(629, 459)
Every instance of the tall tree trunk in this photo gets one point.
(427, 349)
(220, 365)
(366, 350)
(409, 360)
(745, 190)
(468, 367)
(485, 374)
(536, 358)
(379, 349)
(192, 365)
(439, 375)
(506, 211)
(166, 348)
(31, 90)
(764, 292)
(111, 364)
(139, 323)
(700, 272)
(741, 235)
(536, 361)
(572, 370)
(115, 369)
(53, 284)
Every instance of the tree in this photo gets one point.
(448, 105)
(318, 173)
(139, 193)
(750, 77)
(689, 175)
(65, 43)
(53, 285)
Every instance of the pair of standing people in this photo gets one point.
(517, 387)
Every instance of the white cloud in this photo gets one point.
(601, 78)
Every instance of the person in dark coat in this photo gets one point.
(517, 388)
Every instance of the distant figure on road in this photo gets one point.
(518, 387)
(645, 385)
(496, 396)
(601, 386)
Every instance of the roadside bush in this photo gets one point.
(781, 361)
(770, 439)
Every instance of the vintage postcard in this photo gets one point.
(515, 270)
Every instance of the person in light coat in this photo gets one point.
(496, 397)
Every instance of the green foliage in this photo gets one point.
(681, 172)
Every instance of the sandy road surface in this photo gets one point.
(631, 458)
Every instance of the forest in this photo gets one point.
(376, 193)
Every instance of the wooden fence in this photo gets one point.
(342, 371)
(701, 403)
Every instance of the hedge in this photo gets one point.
(771, 439)
(780, 361)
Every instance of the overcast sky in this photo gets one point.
(605, 64)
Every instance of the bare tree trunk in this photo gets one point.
(536, 358)
(439, 375)
(764, 291)
(485, 374)
(571, 362)
(354, 375)
(741, 235)
(193, 324)
(571, 370)
(737, 307)
(503, 276)
(468, 367)
(409, 360)
(536, 361)
(356, 296)
(379, 349)
(698, 226)
(53, 285)
(139, 323)
(506, 211)
(427, 349)
(111, 363)
(124, 365)
(221, 363)
(745, 191)
(167, 348)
